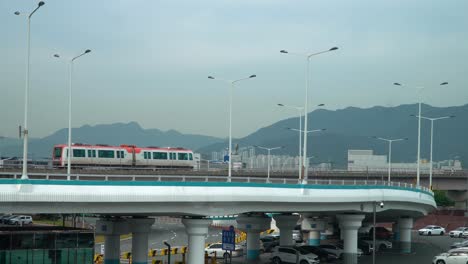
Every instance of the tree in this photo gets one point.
(441, 198)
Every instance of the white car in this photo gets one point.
(458, 232)
(465, 233)
(291, 254)
(380, 244)
(217, 248)
(452, 257)
(431, 230)
(337, 250)
(21, 220)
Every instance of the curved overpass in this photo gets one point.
(197, 197)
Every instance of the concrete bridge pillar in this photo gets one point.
(314, 226)
(349, 225)
(112, 229)
(396, 231)
(405, 225)
(140, 228)
(286, 224)
(197, 229)
(253, 225)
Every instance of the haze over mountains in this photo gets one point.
(353, 128)
(349, 128)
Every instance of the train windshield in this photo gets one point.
(57, 152)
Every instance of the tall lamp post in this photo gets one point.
(269, 150)
(300, 110)
(70, 108)
(432, 119)
(381, 204)
(390, 141)
(232, 83)
(418, 171)
(306, 132)
(25, 131)
(306, 106)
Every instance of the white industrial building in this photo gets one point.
(365, 160)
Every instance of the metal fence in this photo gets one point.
(210, 178)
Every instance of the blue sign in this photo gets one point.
(226, 158)
(229, 239)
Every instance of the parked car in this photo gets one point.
(458, 232)
(297, 236)
(338, 249)
(3, 217)
(380, 232)
(453, 257)
(323, 255)
(465, 234)
(20, 220)
(243, 246)
(293, 255)
(216, 248)
(460, 244)
(6, 219)
(380, 244)
(431, 230)
(366, 246)
(270, 242)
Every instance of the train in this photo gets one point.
(101, 155)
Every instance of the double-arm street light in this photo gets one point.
(390, 141)
(305, 161)
(300, 110)
(306, 106)
(25, 131)
(418, 171)
(432, 119)
(269, 150)
(70, 107)
(232, 83)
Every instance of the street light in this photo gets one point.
(306, 132)
(24, 176)
(390, 141)
(269, 150)
(306, 107)
(300, 110)
(230, 115)
(432, 119)
(419, 131)
(381, 204)
(70, 108)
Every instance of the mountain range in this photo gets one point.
(353, 128)
(349, 128)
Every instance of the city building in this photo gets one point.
(365, 160)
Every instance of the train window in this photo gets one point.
(79, 153)
(172, 156)
(110, 154)
(190, 156)
(145, 155)
(57, 152)
(160, 155)
(91, 153)
(182, 156)
(120, 154)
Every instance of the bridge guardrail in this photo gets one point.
(208, 178)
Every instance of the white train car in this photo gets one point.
(123, 156)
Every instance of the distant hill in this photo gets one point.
(352, 128)
(112, 134)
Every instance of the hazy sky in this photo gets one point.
(150, 60)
